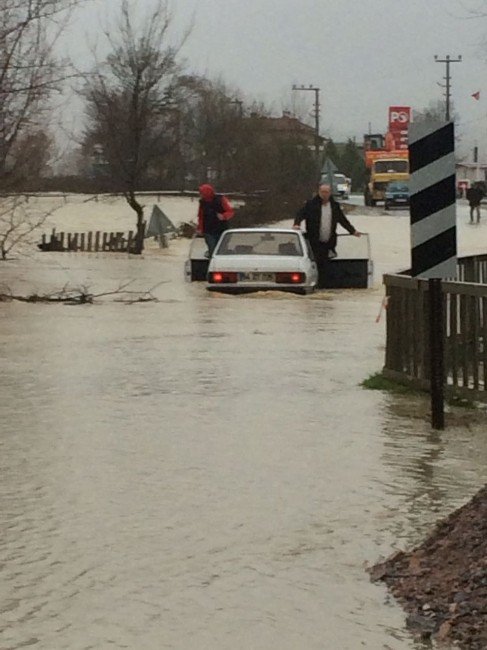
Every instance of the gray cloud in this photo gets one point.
(364, 54)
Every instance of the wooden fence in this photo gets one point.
(464, 328)
(472, 269)
(89, 242)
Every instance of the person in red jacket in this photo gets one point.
(213, 214)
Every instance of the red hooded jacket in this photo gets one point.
(214, 210)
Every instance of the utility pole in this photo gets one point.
(476, 161)
(239, 104)
(448, 61)
(316, 114)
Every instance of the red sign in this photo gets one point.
(399, 118)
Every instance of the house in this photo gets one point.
(471, 172)
(288, 127)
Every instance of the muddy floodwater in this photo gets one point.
(205, 472)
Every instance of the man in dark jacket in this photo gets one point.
(213, 213)
(474, 196)
(322, 214)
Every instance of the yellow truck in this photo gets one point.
(383, 169)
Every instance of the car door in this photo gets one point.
(312, 262)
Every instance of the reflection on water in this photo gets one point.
(428, 463)
(205, 472)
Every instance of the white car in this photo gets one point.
(250, 259)
(341, 186)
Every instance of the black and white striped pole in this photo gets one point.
(433, 234)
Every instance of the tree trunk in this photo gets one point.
(140, 225)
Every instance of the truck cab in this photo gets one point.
(382, 172)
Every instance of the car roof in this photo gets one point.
(263, 230)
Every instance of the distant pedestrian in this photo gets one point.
(474, 196)
(322, 214)
(213, 214)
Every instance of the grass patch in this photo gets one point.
(462, 402)
(377, 381)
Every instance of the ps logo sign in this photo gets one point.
(402, 118)
(399, 116)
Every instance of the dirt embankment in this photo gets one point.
(442, 584)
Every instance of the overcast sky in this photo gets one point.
(364, 54)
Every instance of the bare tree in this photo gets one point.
(212, 117)
(18, 221)
(30, 72)
(435, 111)
(232, 142)
(128, 101)
(83, 295)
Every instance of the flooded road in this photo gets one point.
(205, 472)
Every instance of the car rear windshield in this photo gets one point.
(260, 243)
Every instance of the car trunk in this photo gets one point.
(270, 263)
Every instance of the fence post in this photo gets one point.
(437, 366)
(470, 271)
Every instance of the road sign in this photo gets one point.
(159, 224)
(433, 200)
(329, 168)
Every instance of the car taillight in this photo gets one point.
(290, 278)
(223, 277)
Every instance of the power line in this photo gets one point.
(448, 61)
